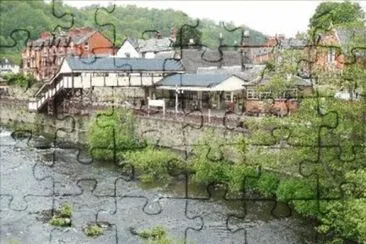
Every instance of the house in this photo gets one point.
(201, 91)
(128, 49)
(43, 57)
(134, 75)
(193, 59)
(7, 66)
(148, 48)
(265, 101)
(335, 48)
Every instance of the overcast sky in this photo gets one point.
(269, 17)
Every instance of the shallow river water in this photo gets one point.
(35, 181)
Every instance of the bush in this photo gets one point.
(153, 164)
(268, 184)
(93, 230)
(25, 81)
(63, 215)
(111, 134)
(66, 210)
(60, 221)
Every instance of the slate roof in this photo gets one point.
(154, 45)
(116, 64)
(251, 72)
(194, 58)
(193, 80)
(292, 43)
(346, 35)
(298, 81)
(62, 40)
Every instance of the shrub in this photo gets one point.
(93, 230)
(111, 134)
(268, 184)
(60, 221)
(25, 81)
(66, 210)
(63, 215)
(153, 164)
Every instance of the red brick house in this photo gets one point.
(43, 57)
(336, 45)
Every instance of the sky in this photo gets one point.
(268, 17)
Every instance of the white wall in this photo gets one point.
(149, 55)
(127, 48)
(233, 83)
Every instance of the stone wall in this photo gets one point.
(165, 132)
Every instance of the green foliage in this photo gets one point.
(66, 210)
(153, 164)
(93, 230)
(63, 216)
(155, 233)
(24, 81)
(129, 21)
(112, 133)
(60, 221)
(185, 33)
(336, 13)
(267, 184)
(207, 162)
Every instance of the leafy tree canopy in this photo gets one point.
(337, 13)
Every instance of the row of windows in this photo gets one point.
(253, 94)
(124, 74)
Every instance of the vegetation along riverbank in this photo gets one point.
(323, 184)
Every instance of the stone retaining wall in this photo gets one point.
(167, 132)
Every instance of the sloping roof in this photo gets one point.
(116, 64)
(194, 58)
(251, 72)
(292, 43)
(193, 80)
(297, 81)
(154, 45)
(346, 35)
(63, 39)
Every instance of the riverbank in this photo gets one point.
(213, 166)
(19, 160)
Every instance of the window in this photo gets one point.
(86, 46)
(331, 55)
(251, 94)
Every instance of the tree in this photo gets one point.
(336, 13)
(187, 33)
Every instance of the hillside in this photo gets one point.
(36, 16)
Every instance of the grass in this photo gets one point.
(93, 230)
(63, 216)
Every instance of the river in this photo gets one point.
(35, 181)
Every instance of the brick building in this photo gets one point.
(338, 47)
(43, 57)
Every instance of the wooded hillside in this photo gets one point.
(36, 16)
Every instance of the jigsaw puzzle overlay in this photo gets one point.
(191, 145)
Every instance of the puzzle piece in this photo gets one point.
(115, 195)
(172, 217)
